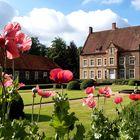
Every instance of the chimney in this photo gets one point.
(90, 30)
(114, 26)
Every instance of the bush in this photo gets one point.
(73, 85)
(87, 83)
(16, 110)
(132, 82)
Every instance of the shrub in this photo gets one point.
(73, 85)
(130, 120)
(87, 83)
(132, 82)
(16, 110)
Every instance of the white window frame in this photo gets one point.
(134, 74)
(45, 74)
(90, 74)
(98, 74)
(131, 60)
(92, 59)
(123, 60)
(111, 50)
(85, 75)
(110, 61)
(123, 73)
(98, 61)
(27, 75)
(36, 75)
(104, 61)
(85, 62)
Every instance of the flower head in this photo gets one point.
(106, 91)
(61, 76)
(90, 90)
(45, 93)
(134, 97)
(118, 99)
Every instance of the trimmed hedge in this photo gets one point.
(73, 85)
(132, 82)
(87, 83)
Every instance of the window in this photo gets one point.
(121, 60)
(131, 73)
(85, 62)
(92, 62)
(111, 61)
(121, 73)
(45, 74)
(99, 74)
(105, 61)
(99, 61)
(92, 74)
(131, 60)
(84, 74)
(105, 74)
(36, 75)
(111, 50)
(16, 73)
(27, 75)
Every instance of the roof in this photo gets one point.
(31, 62)
(126, 39)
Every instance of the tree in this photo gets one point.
(57, 52)
(37, 48)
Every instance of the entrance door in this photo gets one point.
(112, 74)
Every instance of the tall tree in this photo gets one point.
(57, 51)
(37, 48)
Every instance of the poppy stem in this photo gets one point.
(32, 118)
(39, 110)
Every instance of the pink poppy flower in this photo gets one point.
(106, 91)
(21, 85)
(61, 76)
(134, 96)
(45, 93)
(91, 103)
(64, 76)
(54, 73)
(118, 99)
(8, 83)
(89, 90)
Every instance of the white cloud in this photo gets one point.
(86, 2)
(111, 1)
(47, 24)
(136, 4)
(6, 13)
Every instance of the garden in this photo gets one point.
(77, 111)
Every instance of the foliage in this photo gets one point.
(132, 82)
(130, 121)
(87, 83)
(102, 128)
(20, 129)
(73, 85)
(66, 56)
(37, 48)
(62, 121)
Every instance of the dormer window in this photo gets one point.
(111, 50)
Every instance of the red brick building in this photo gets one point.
(31, 68)
(111, 54)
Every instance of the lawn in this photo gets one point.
(82, 112)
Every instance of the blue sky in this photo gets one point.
(68, 19)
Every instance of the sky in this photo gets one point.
(68, 19)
